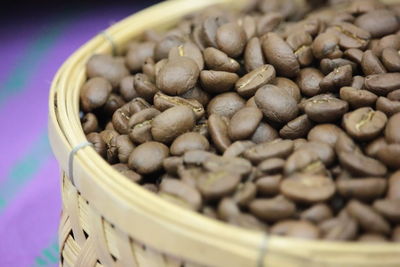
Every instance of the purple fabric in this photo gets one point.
(29, 176)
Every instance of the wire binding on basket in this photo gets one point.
(111, 41)
(71, 159)
(262, 251)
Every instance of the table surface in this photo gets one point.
(31, 52)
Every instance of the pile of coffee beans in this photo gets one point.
(283, 118)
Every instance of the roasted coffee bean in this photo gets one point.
(358, 82)
(237, 165)
(388, 209)
(180, 193)
(301, 42)
(387, 106)
(109, 138)
(94, 93)
(279, 54)
(378, 22)
(308, 81)
(396, 234)
(358, 98)
(127, 89)
(375, 146)
(304, 161)
(339, 77)
(107, 67)
(390, 155)
(113, 103)
(368, 218)
(289, 86)
(303, 230)
(328, 65)
(325, 133)
(264, 133)
(245, 193)
(189, 50)
(187, 142)
(178, 76)
(137, 55)
(249, 25)
(269, 185)
(237, 148)
(317, 213)
(144, 87)
(124, 147)
(128, 173)
(272, 209)
(361, 188)
(169, 41)
(227, 208)
(148, 157)
(218, 128)
(364, 123)
(172, 123)
(382, 84)
(326, 45)
(149, 68)
(171, 165)
(341, 228)
(325, 152)
(296, 128)
(248, 221)
(218, 184)
(163, 102)
(231, 39)
(217, 82)
(391, 59)
(140, 125)
(268, 22)
(326, 109)
(371, 64)
(360, 165)
(89, 123)
(274, 149)
(389, 41)
(98, 143)
(253, 55)
(394, 95)
(276, 104)
(209, 29)
(225, 104)
(196, 93)
(252, 81)
(394, 186)
(392, 133)
(344, 143)
(351, 36)
(219, 61)
(244, 123)
(354, 55)
(271, 166)
(364, 6)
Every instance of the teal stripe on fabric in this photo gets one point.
(49, 256)
(24, 169)
(24, 69)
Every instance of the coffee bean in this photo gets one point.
(325, 133)
(219, 61)
(360, 165)
(387, 106)
(163, 102)
(189, 50)
(95, 93)
(227, 208)
(137, 55)
(124, 147)
(394, 95)
(148, 157)
(388, 41)
(271, 166)
(326, 45)
(396, 234)
(317, 213)
(390, 155)
(340, 228)
(369, 219)
(217, 82)
(358, 82)
(388, 209)
(328, 65)
(378, 22)
(127, 89)
(392, 133)
(245, 193)
(144, 87)
(268, 22)
(171, 165)
(140, 125)
(168, 42)
(249, 25)
(382, 84)
(308, 81)
(98, 143)
(172, 123)
(149, 68)
(371, 64)
(279, 54)
(296, 128)
(178, 76)
(289, 86)
(358, 98)
(273, 209)
(244, 123)
(253, 55)
(264, 133)
(364, 6)
(276, 104)
(364, 123)
(304, 161)
(189, 141)
(391, 59)
(372, 238)
(303, 230)
(351, 36)
(326, 109)
(237, 148)
(375, 146)
(252, 81)
(344, 143)
(196, 93)
(324, 151)
(225, 104)
(339, 77)
(89, 123)
(274, 149)
(301, 42)
(218, 128)
(231, 39)
(362, 188)
(180, 193)
(107, 67)
(218, 184)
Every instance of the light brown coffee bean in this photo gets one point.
(180, 193)
(304, 161)
(269, 185)
(219, 61)
(217, 82)
(372, 148)
(392, 133)
(253, 55)
(388, 209)
(189, 141)
(273, 209)
(394, 95)
(244, 123)
(387, 106)
(237, 148)
(231, 39)
(378, 22)
(360, 165)
(95, 93)
(218, 128)
(245, 193)
(308, 81)
(362, 188)
(227, 208)
(264, 133)
(372, 238)
(317, 213)
(215, 185)
(394, 186)
(268, 22)
(107, 67)
(252, 81)
(325, 133)
(289, 86)
(391, 59)
(340, 228)
(171, 165)
(148, 157)
(127, 89)
(137, 55)
(390, 155)
(358, 98)
(271, 166)
(304, 230)
(324, 151)
(225, 104)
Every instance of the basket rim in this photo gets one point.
(65, 134)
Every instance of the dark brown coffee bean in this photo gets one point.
(342, 76)
(89, 123)
(325, 133)
(144, 87)
(231, 39)
(392, 132)
(308, 81)
(279, 54)
(371, 64)
(388, 209)
(358, 98)
(189, 50)
(296, 128)
(163, 102)
(98, 143)
(264, 133)
(289, 86)
(304, 161)
(389, 41)
(369, 219)
(245, 193)
(273, 209)
(236, 165)
(127, 89)
(178, 76)
(317, 213)
(378, 22)
(140, 125)
(390, 155)
(244, 123)
(391, 59)
(209, 29)
(326, 109)
(94, 93)
(364, 123)
(387, 106)
(172, 123)
(328, 65)
(268, 22)
(137, 55)
(308, 188)
(274, 149)
(189, 141)
(180, 193)
(227, 208)
(107, 67)
(360, 165)
(252, 81)
(148, 157)
(168, 42)
(269, 185)
(217, 82)
(362, 188)
(215, 185)
(276, 104)
(218, 128)
(382, 84)
(196, 93)
(351, 36)
(253, 55)
(301, 42)
(372, 148)
(124, 147)
(225, 104)
(358, 82)
(326, 45)
(219, 61)
(354, 55)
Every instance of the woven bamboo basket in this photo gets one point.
(109, 221)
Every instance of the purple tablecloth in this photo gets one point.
(31, 52)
